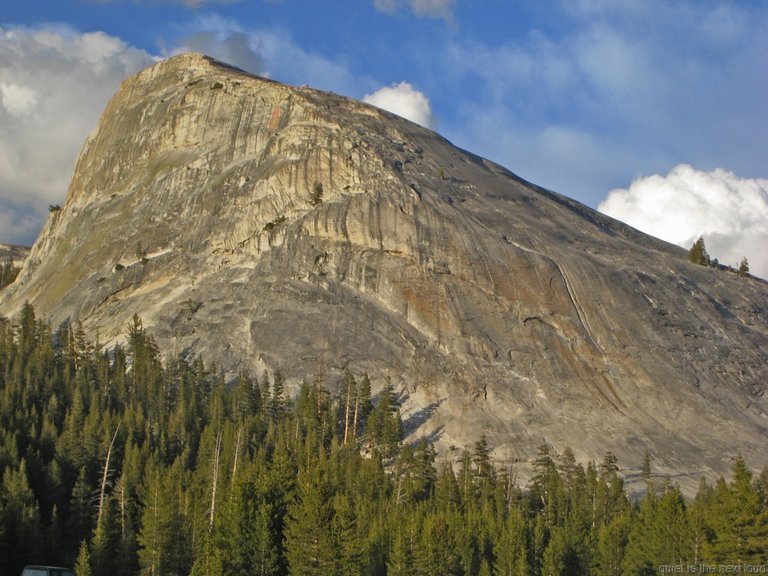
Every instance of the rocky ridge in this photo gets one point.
(268, 226)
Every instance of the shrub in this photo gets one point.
(316, 196)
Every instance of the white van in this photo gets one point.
(46, 571)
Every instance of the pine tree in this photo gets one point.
(447, 490)
(164, 540)
(252, 535)
(612, 543)
(511, 546)
(554, 561)
(384, 427)
(209, 561)
(400, 560)
(645, 471)
(659, 534)
(363, 404)
(309, 546)
(438, 555)
(346, 538)
(277, 402)
(83, 564)
(21, 520)
(740, 522)
(485, 475)
(698, 253)
(743, 270)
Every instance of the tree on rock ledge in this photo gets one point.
(698, 253)
(743, 268)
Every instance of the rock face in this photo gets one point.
(266, 226)
(13, 253)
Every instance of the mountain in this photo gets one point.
(264, 226)
(13, 253)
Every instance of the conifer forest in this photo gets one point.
(126, 461)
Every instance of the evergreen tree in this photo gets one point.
(346, 538)
(164, 542)
(645, 471)
(437, 555)
(20, 520)
(612, 543)
(739, 522)
(277, 401)
(106, 540)
(698, 253)
(384, 427)
(447, 490)
(83, 564)
(209, 561)
(485, 475)
(743, 270)
(309, 546)
(400, 560)
(251, 539)
(511, 546)
(659, 535)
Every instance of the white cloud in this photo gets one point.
(730, 212)
(404, 100)
(642, 82)
(428, 8)
(54, 82)
(18, 100)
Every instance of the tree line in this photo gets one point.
(118, 462)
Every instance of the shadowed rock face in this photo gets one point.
(266, 226)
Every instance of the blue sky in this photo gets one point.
(655, 111)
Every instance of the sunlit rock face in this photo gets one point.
(265, 226)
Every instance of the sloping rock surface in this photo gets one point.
(267, 226)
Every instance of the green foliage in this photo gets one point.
(384, 427)
(210, 478)
(743, 269)
(698, 253)
(83, 564)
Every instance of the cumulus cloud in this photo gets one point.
(647, 84)
(427, 8)
(730, 212)
(404, 100)
(54, 82)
